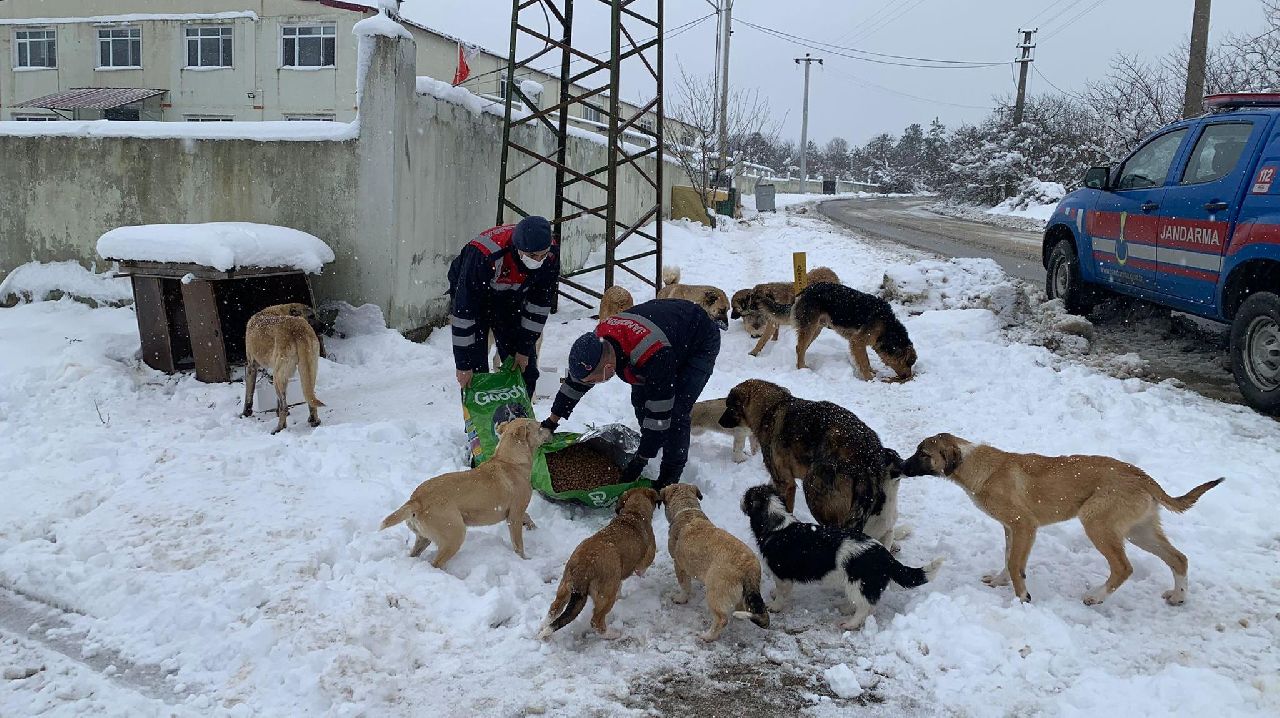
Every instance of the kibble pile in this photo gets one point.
(581, 468)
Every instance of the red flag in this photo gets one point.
(464, 70)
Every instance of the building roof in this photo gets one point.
(91, 98)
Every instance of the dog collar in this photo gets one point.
(687, 508)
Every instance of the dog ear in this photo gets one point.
(654, 496)
(709, 297)
(950, 458)
(893, 462)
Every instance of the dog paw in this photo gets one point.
(610, 635)
(739, 458)
(277, 430)
(1091, 599)
(1025, 598)
(545, 633)
(313, 422)
(247, 413)
(996, 579)
(708, 637)
(680, 598)
(851, 625)
(1175, 596)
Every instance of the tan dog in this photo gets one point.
(713, 300)
(442, 508)
(600, 563)
(1114, 501)
(706, 417)
(280, 340)
(769, 304)
(701, 550)
(616, 299)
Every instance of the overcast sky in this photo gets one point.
(856, 99)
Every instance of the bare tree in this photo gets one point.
(696, 108)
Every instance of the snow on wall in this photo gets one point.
(133, 17)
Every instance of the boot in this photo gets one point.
(668, 475)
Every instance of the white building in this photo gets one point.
(209, 60)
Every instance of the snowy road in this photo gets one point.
(1145, 340)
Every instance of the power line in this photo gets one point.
(869, 56)
(882, 88)
(1043, 10)
(869, 30)
(1065, 9)
(1042, 77)
(1073, 20)
(888, 5)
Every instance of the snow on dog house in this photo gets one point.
(196, 285)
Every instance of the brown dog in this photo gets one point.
(706, 417)
(442, 508)
(280, 339)
(862, 319)
(1114, 501)
(769, 304)
(600, 563)
(713, 300)
(850, 479)
(701, 550)
(616, 299)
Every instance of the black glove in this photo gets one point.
(633, 469)
(549, 425)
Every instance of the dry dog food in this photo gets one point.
(581, 468)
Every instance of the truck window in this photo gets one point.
(1217, 152)
(1149, 166)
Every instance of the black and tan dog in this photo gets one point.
(849, 478)
(1114, 501)
(766, 307)
(599, 564)
(862, 319)
(713, 300)
(280, 339)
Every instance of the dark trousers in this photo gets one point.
(691, 378)
(504, 336)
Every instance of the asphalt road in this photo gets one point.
(905, 221)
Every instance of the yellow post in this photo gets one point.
(798, 263)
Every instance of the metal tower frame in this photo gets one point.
(597, 87)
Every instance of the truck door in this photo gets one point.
(1197, 213)
(1125, 222)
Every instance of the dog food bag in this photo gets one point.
(492, 399)
(587, 471)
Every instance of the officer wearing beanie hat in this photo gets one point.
(666, 350)
(502, 283)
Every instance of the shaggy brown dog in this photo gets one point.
(766, 307)
(713, 300)
(862, 319)
(600, 563)
(1114, 501)
(850, 480)
(616, 299)
(442, 508)
(701, 550)
(280, 340)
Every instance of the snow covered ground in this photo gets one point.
(221, 570)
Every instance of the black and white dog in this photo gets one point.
(797, 552)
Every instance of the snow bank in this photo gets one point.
(962, 283)
(1036, 200)
(221, 245)
(36, 281)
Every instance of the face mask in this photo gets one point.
(530, 262)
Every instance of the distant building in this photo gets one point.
(214, 60)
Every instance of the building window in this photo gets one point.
(646, 125)
(120, 47)
(208, 118)
(309, 46)
(35, 118)
(312, 118)
(36, 48)
(208, 47)
(502, 86)
(591, 114)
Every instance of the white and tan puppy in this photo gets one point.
(701, 550)
(706, 417)
(442, 508)
(1115, 501)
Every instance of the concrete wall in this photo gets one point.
(747, 184)
(396, 204)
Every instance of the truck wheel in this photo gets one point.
(1063, 280)
(1255, 351)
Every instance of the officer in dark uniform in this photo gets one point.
(503, 281)
(666, 350)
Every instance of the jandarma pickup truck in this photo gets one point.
(1189, 220)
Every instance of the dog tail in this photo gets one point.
(307, 361)
(670, 275)
(569, 602)
(756, 610)
(908, 577)
(397, 516)
(1185, 501)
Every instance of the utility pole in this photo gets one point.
(723, 142)
(1193, 98)
(1024, 61)
(804, 122)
